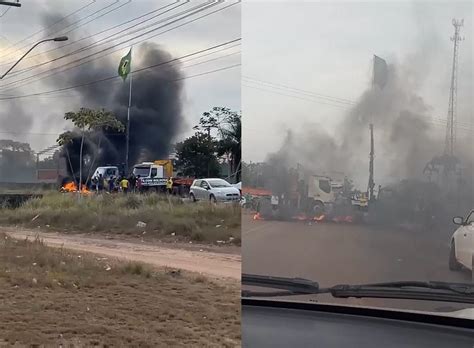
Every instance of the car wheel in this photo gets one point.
(212, 199)
(453, 263)
(193, 199)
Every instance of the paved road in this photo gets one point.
(344, 253)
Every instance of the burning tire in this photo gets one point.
(453, 262)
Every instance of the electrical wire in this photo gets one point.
(302, 91)
(52, 25)
(134, 72)
(106, 49)
(97, 43)
(93, 35)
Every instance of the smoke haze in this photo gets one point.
(156, 108)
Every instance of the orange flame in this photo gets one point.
(319, 218)
(71, 187)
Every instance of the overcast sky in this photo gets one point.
(327, 48)
(201, 93)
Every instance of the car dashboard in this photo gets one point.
(269, 323)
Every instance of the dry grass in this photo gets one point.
(55, 297)
(166, 219)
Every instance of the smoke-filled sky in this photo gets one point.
(38, 120)
(325, 50)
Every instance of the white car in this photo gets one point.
(213, 190)
(462, 244)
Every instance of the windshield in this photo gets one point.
(331, 102)
(216, 183)
(142, 171)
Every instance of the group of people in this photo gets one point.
(117, 184)
(123, 184)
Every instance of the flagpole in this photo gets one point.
(128, 117)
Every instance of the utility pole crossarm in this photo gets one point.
(10, 3)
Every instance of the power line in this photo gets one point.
(92, 35)
(300, 96)
(95, 18)
(97, 43)
(82, 24)
(301, 91)
(297, 97)
(115, 76)
(41, 30)
(180, 61)
(106, 49)
(52, 25)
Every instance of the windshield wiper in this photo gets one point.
(410, 290)
(292, 286)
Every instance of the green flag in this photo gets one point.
(125, 65)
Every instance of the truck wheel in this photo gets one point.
(453, 263)
(318, 208)
(212, 199)
(193, 199)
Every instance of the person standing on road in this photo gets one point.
(111, 184)
(124, 184)
(169, 186)
(133, 182)
(101, 183)
(139, 184)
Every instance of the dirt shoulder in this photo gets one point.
(203, 260)
(58, 297)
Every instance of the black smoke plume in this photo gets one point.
(156, 108)
(405, 142)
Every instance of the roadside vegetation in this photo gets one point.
(55, 297)
(145, 216)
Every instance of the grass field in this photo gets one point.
(55, 297)
(168, 219)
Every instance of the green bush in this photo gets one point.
(165, 217)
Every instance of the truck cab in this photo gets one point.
(320, 193)
(151, 174)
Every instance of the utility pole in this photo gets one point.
(371, 164)
(209, 144)
(451, 119)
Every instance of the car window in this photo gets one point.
(325, 185)
(470, 218)
(219, 183)
(154, 171)
(204, 184)
(197, 183)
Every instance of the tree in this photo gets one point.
(87, 121)
(17, 161)
(63, 140)
(195, 151)
(230, 143)
(229, 133)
